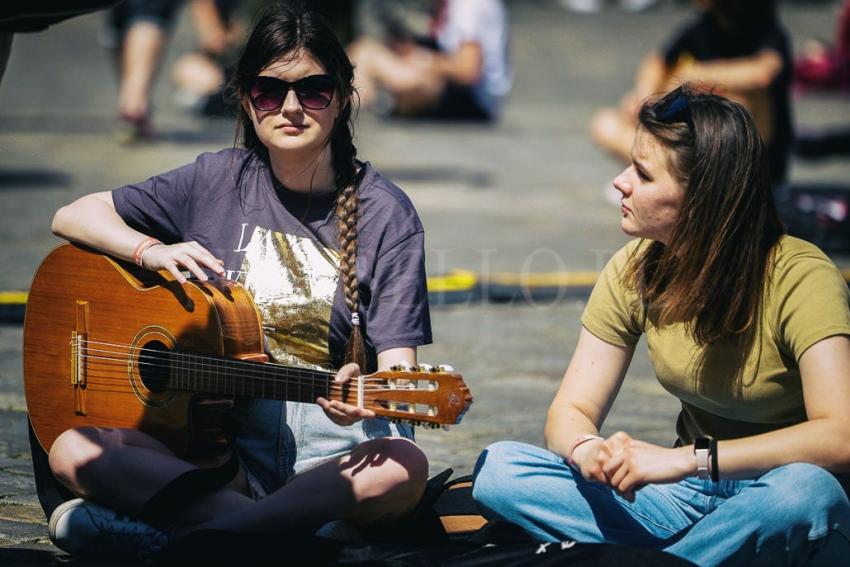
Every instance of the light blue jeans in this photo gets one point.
(278, 440)
(797, 514)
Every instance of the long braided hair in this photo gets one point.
(288, 30)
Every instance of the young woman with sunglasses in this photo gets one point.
(748, 327)
(333, 255)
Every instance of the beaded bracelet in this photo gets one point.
(580, 440)
(142, 248)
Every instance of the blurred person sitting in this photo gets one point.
(461, 71)
(737, 49)
(824, 66)
(201, 74)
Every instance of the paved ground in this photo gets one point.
(520, 196)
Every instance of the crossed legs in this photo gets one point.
(121, 468)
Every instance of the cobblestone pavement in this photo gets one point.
(524, 195)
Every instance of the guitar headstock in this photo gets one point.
(422, 395)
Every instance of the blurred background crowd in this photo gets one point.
(450, 60)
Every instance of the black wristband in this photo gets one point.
(715, 471)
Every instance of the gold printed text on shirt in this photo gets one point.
(293, 281)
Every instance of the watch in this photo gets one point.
(702, 451)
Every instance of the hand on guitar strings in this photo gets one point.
(338, 412)
(183, 255)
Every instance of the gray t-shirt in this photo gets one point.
(283, 246)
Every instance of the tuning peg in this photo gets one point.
(445, 368)
(424, 367)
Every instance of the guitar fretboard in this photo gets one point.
(216, 375)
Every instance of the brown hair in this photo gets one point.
(284, 30)
(712, 272)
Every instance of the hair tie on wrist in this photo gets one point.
(580, 440)
(142, 248)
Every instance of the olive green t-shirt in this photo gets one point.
(730, 392)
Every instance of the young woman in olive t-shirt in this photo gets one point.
(747, 327)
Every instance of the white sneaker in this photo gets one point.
(81, 527)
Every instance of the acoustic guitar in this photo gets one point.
(108, 344)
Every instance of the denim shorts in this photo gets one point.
(278, 440)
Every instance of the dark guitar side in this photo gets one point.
(77, 290)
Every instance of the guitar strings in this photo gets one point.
(96, 381)
(267, 376)
(202, 362)
(372, 403)
(205, 361)
(120, 385)
(119, 375)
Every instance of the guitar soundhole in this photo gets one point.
(154, 364)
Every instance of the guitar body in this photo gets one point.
(88, 317)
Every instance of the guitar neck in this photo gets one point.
(225, 376)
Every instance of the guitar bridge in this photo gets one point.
(79, 379)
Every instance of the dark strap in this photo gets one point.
(456, 498)
(422, 526)
(186, 489)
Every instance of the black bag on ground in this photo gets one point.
(220, 548)
(446, 529)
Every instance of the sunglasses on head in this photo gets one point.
(314, 92)
(675, 107)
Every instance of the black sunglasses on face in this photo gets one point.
(314, 92)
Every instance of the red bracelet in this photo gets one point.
(142, 248)
(580, 440)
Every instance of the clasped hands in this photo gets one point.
(627, 465)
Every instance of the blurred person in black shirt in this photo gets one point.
(736, 49)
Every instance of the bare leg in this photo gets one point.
(197, 74)
(614, 132)
(381, 479)
(411, 78)
(124, 468)
(141, 53)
